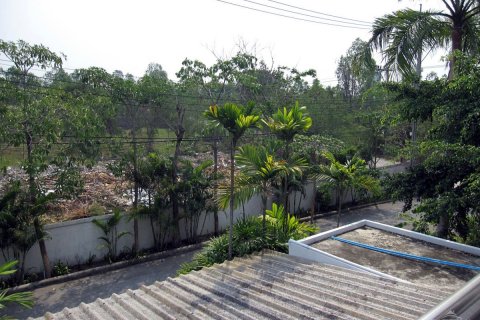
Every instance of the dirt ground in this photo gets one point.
(415, 271)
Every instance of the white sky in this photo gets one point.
(127, 35)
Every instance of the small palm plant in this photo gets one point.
(341, 177)
(110, 234)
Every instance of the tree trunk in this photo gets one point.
(264, 208)
(314, 201)
(215, 185)
(457, 34)
(339, 205)
(135, 179)
(443, 225)
(32, 199)
(43, 247)
(21, 271)
(179, 132)
(232, 194)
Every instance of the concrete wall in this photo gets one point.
(74, 242)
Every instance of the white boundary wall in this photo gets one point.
(74, 242)
(302, 248)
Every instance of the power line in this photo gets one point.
(303, 14)
(320, 13)
(290, 17)
(65, 81)
(325, 101)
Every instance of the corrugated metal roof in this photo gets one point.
(265, 286)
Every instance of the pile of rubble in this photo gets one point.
(102, 190)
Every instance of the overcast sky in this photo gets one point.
(127, 35)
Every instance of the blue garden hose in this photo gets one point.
(406, 255)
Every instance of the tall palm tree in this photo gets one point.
(259, 171)
(286, 124)
(404, 34)
(236, 119)
(342, 177)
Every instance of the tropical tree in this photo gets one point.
(286, 124)
(236, 119)
(404, 34)
(35, 121)
(111, 236)
(259, 170)
(195, 190)
(352, 175)
(446, 182)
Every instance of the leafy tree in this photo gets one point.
(286, 124)
(155, 178)
(349, 176)
(32, 117)
(236, 119)
(355, 71)
(195, 189)
(445, 180)
(403, 34)
(258, 173)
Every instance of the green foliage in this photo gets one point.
(60, 269)
(24, 299)
(446, 179)
(356, 71)
(236, 119)
(353, 175)
(401, 35)
(248, 237)
(17, 232)
(111, 236)
(287, 123)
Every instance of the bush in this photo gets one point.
(60, 269)
(248, 238)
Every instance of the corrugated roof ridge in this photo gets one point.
(259, 285)
(169, 304)
(379, 299)
(239, 296)
(143, 298)
(357, 304)
(172, 296)
(408, 291)
(407, 288)
(106, 305)
(222, 306)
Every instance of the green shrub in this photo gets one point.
(248, 238)
(60, 269)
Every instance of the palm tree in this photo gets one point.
(259, 171)
(404, 34)
(286, 124)
(236, 119)
(342, 177)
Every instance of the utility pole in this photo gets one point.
(417, 85)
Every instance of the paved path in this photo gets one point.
(387, 213)
(70, 294)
